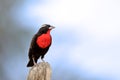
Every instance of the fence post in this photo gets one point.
(41, 71)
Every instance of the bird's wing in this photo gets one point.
(32, 45)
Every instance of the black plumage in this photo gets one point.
(36, 51)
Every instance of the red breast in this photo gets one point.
(44, 40)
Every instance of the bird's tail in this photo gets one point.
(30, 63)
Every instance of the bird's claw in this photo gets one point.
(34, 62)
(43, 60)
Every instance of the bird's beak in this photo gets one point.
(51, 27)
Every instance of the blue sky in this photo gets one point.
(87, 33)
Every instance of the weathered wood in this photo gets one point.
(41, 71)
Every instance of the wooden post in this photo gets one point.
(41, 71)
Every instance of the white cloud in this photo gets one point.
(99, 18)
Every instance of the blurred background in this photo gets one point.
(86, 40)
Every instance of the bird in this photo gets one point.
(40, 44)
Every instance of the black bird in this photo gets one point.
(40, 44)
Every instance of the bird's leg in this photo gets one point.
(42, 60)
(34, 61)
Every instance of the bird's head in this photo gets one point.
(45, 28)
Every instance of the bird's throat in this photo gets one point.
(48, 32)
